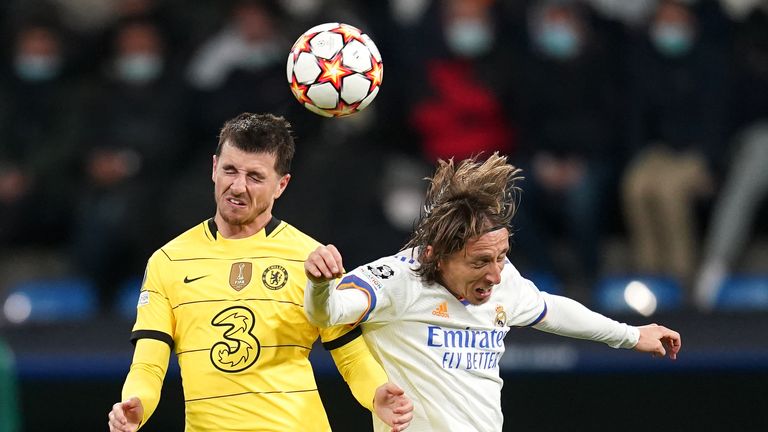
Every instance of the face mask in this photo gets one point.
(672, 40)
(559, 41)
(37, 68)
(259, 56)
(469, 38)
(139, 68)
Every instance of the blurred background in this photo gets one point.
(641, 126)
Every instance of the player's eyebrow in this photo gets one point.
(254, 173)
(487, 256)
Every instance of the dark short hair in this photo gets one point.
(260, 133)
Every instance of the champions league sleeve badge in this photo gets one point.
(381, 271)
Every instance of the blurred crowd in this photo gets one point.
(643, 119)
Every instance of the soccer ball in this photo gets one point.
(334, 70)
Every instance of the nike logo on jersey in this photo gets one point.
(187, 279)
(441, 310)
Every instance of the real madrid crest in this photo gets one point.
(501, 317)
(240, 275)
(274, 277)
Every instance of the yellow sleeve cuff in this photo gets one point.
(360, 370)
(145, 378)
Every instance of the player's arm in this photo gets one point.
(152, 337)
(324, 304)
(141, 390)
(368, 381)
(567, 317)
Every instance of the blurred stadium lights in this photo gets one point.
(642, 294)
(640, 298)
(17, 308)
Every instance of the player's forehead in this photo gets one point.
(492, 244)
(233, 157)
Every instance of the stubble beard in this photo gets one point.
(235, 219)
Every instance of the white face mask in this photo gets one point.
(37, 68)
(139, 68)
(558, 40)
(260, 55)
(672, 40)
(469, 38)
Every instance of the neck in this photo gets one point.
(439, 280)
(235, 231)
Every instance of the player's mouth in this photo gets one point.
(236, 202)
(483, 293)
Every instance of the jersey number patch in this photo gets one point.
(240, 348)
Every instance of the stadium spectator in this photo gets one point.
(249, 40)
(569, 135)
(436, 313)
(240, 68)
(743, 194)
(40, 114)
(676, 133)
(132, 148)
(459, 106)
(243, 267)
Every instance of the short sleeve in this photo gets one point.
(154, 315)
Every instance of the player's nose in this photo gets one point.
(494, 274)
(238, 184)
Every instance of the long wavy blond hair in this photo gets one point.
(463, 202)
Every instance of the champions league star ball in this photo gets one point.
(334, 70)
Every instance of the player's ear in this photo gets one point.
(213, 170)
(429, 252)
(282, 184)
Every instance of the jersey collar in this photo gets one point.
(271, 225)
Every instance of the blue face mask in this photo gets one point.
(469, 38)
(261, 55)
(559, 40)
(139, 68)
(37, 68)
(672, 40)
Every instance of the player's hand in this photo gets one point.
(659, 341)
(126, 416)
(323, 264)
(393, 407)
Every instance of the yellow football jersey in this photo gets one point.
(232, 311)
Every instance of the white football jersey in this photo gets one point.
(444, 352)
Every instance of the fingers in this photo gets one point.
(338, 269)
(118, 414)
(671, 341)
(122, 417)
(324, 263)
(402, 423)
(393, 389)
(117, 420)
(400, 427)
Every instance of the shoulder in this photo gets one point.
(288, 243)
(186, 245)
(513, 283)
(289, 233)
(394, 272)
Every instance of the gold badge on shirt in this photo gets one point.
(275, 277)
(240, 275)
(501, 317)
